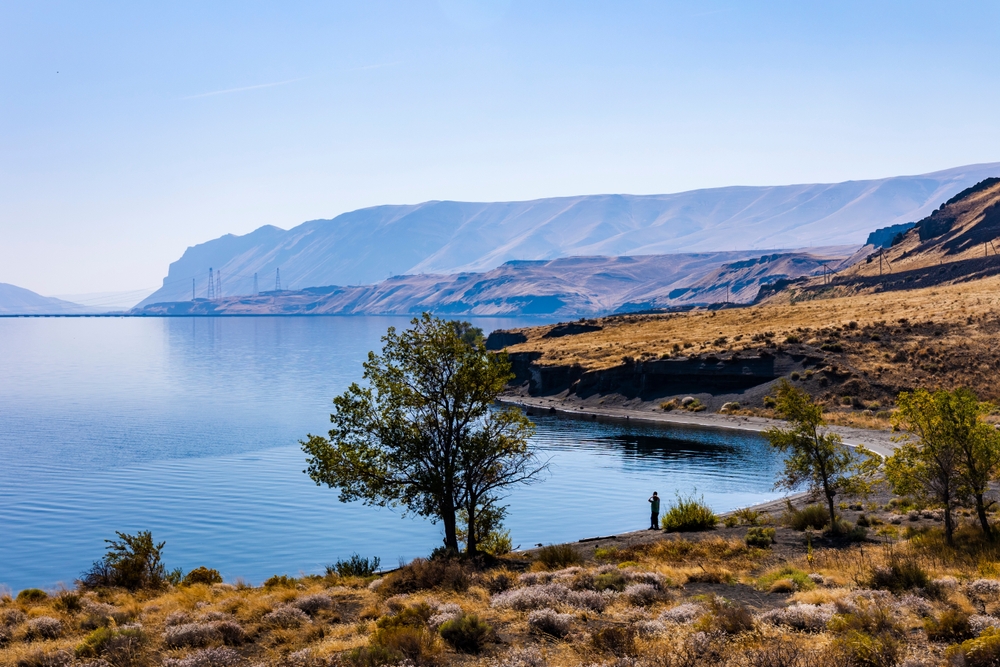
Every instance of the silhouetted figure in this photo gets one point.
(654, 511)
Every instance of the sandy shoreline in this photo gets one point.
(879, 442)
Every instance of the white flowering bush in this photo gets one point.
(979, 622)
(210, 616)
(549, 595)
(650, 628)
(12, 617)
(523, 657)
(655, 579)
(443, 613)
(682, 613)
(209, 657)
(983, 589)
(285, 616)
(190, 634)
(45, 627)
(806, 617)
(535, 578)
(642, 594)
(373, 586)
(916, 604)
(313, 604)
(550, 622)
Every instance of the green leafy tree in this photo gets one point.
(949, 453)
(816, 457)
(423, 433)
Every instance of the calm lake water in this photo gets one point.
(189, 427)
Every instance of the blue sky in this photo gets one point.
(168, 124)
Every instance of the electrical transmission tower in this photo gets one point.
(255, 292)
(277, 280)
(211, 285)
(218, 284)
(192, 289)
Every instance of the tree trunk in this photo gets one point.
(450, 535)
(949, 527)
(834, 528)
(472, 540)
(830, 494)
(981, 511)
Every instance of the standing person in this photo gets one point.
(654, 511)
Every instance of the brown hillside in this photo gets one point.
(958, 242)
(865, 346)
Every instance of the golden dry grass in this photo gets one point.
(626, 628)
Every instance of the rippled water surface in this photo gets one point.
(189, 427)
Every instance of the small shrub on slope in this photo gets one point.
(688, 514)
(811, 516)
(202, 575)
(466, 633)
(760, 537)
(355, 566)
(558, 556)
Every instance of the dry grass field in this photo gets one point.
(902, 597)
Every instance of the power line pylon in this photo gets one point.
(255, 292)
(218, 284)
(192, 289)
(277, 280)
(211, 285)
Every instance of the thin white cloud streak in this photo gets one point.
(244, 88)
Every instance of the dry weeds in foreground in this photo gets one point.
(701, 600)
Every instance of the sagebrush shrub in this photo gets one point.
(124, 642)
(466, 633)
(688, 514)
(191, 634)
(12, 617)
(550, 622)
(313, 604)
(44, 627)
(209, 657)
(46, 659)
(616, 640)
(804, 617)
(232, 633)
(683, 613)
(285, 616)
(642, 594)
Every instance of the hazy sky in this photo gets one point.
(129, 131)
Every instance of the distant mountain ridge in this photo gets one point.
(16, 300)
(565, 287)
(443, 237)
